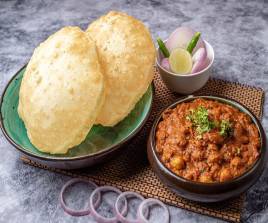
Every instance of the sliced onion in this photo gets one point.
(199, 60)
(165, 64)
(99, 218)
(181, 38)
(148, 202)
(121, 216)
(71, 211)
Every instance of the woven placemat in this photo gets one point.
(131, 171)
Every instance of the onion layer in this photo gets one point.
(149, 202)
(99, 218)
(165, 64)
(199, 60)
(181, 38)
(71, 211)
(120, 216)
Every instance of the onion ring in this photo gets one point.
(99, 218)
(151, 201)
(120, 216)
(71, 211)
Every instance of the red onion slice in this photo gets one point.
(149, 202)
(165, 64)
(121, 216)
(71, 211)
(199, 60)
(99, 218)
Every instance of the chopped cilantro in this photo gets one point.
(199, 118)
(225, 128)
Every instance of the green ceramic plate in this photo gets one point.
(99, 140)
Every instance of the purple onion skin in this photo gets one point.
(181, 37)
(145, 206)
(142, 212)
(73, 212)
(99, 218)
(165, 64)
(122, 216)
(199, 60)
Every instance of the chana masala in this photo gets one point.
(207, 141)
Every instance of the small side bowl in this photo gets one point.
(187, 83)
(207, 192)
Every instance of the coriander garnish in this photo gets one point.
(199, 118)
(225, 128)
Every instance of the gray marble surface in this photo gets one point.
(238, 30)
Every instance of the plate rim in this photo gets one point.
(66, 159)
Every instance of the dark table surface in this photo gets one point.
(238, 31)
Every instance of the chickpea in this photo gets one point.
(227, 156)
(245, 156)
(244, 119)
(186, 157)
(214, 157)
(216, 138)
(177, 162)
(226, 116)
(244, 139)
(159, 148)
(212, 147)
(205, 178)
(251, 161)
(160, 134)
(253, 131)
(188, 176)
(238, 130)
(214, 170)
(196, 155)
(182, 141)
(197, 143)
(239, 134)
(213, 137)
(166, 155)
(235, 161)
(225, 174)
(255, 142)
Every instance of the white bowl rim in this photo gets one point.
(188, 75)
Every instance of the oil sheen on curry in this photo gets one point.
(207, 141)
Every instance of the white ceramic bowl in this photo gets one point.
(186, 83)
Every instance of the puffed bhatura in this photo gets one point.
(127, 55)
(62, 91)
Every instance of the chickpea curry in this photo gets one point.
(207, 141)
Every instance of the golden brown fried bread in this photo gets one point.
(62, 91)
(127, 54)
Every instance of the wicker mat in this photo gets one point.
(130, 170)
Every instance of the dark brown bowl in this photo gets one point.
(207, 192)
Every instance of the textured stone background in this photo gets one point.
(238, 30)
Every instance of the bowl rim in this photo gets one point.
(66, 159)
(187, 75)
(233, 103)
